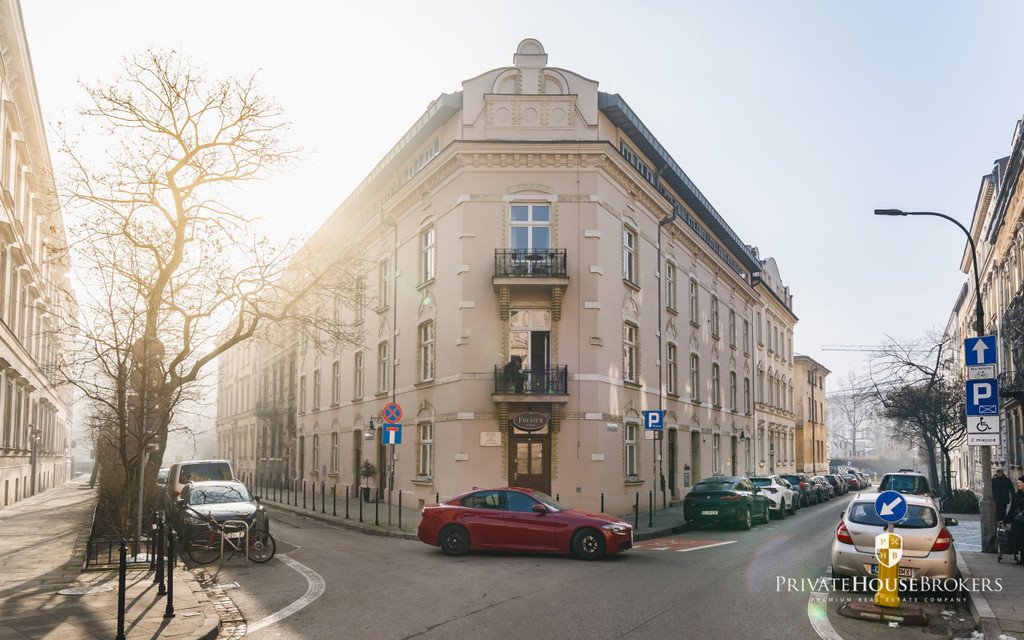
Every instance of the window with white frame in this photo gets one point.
(746, 395)
(336, 382)
(334, 452)
(714, 317)
(359, 304)
(302, 394)
(316, 453)
(383, 279)
(670, 285)
(716, 385)
(629, 254)
(630, 439)
(673, 369)
(530, 228)
(425, 437)
(732, 391)
(316, 390)
(760, 339)
(768, 335)
(746, 336)
(630, 353)
(716, 454)
(694, 377)
(732, 328)
(694, 306)
(428, 253)
(426, 353)
(382, 366)
(357, 375)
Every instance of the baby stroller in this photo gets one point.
(1003, 541)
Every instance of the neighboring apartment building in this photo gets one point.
(996, 231)
(811, 416)
(516, 310)
(37, 306)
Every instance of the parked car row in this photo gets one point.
(856, 480)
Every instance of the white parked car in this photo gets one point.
(777, 490)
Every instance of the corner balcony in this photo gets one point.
(550, 384)
(530, 267)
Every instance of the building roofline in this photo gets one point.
(799, 357)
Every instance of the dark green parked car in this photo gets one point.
(726, 500)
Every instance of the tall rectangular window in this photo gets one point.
(746, 337)
(316, 453)
(732, 328)
(428, 253)
(382, 367)
(732, 391)
(630, 355)
(530, 228)
(716, 385)
(716, 454)
(673, 370)
(425, 436)
(629, 255)
(768, 335)
(694, 377)
(426, 354)
(715, 329)
(336, 382)
(760, 339)
(359, 305)
(383, 279)
(746, 395)
(629, 439)
(316, 390)
(302, 394)
(694, 308)
(670, 285)
(334, 452)
(357, 375)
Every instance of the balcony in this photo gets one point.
(1011, 385)
(530, 267)
(550, 384)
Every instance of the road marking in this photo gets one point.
(817, 613)
(679, 544)
(706, 546)
(313, 591)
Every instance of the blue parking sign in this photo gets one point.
(982, 398)
(654, 420)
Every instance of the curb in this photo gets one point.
(342, 523)
(660, 533)
(981, 611)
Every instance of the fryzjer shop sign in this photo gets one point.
(529, 421)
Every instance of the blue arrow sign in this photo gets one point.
(654, 420)
(982, 398)
(391, 434)
(980, 350)
(891, 506)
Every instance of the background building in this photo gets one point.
(543, 272)
(811, 416)
(37, 307)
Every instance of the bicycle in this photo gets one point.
(234, 536)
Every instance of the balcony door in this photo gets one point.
(530, 238)
(530, 339)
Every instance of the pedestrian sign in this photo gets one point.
(891, 506)
(980, 350)
(392, 413)
(654, 420)
(982, 398)
(391, 434)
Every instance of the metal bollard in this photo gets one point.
(602, 502)
(399, 509)
(323, 497)
(122, 586)
(437, 497)
(334, 499)
(360, 501)
(650, 506)
(636, 512)
(558, 498)
(169, 609)
(149, 546)
(346, 501)
(313, 487)
(376, 510)
(160, 567)
(303, 494)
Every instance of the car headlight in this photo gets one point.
(617, 527)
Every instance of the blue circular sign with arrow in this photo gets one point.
(891, 506)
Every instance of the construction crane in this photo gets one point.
(871, 348)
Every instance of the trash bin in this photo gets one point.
(367, 496)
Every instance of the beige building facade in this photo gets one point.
(811, 415)
(517, 312)
(37, 306)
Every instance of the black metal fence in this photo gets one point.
(102, 551)
(552, 380)
(530, 263)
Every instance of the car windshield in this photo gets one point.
(918, 516)
(548, 500)
(793, 479)
(905, 484)
(204, 471)
(220, 494)
(761, 482)
(722, 485)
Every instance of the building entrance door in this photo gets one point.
(529, 459)
(673, 460)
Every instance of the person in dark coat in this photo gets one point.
(1002, 493)
(514, 374)
(1015, 518)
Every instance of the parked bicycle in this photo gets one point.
(228, 538)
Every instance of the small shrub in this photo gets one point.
(961, 501)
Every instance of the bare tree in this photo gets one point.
(170, 262)
(853, 410)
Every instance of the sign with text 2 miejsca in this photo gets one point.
(982, 391)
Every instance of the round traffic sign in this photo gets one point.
(392, 413)
(891, 506)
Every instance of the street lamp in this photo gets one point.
(987, 506)
(35, 435)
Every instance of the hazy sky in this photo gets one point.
(796, 119)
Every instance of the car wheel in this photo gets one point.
(454, 540)
(746, 521)
(782, 509)
(792, 507)
(767, 514)
(588, 544)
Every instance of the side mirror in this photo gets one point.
(950, 522)
(180, 502)
(539, 508)
(256, 499)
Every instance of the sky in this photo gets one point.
(795, 119)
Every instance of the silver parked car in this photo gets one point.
(927, 543)
(778, 491)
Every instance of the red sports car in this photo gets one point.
(514, 519)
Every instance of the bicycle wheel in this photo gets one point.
(204, 548)
(261, 547)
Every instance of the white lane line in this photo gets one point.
(706, 546)
(817, 613)
(313, 591)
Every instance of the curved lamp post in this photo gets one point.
(987, 506)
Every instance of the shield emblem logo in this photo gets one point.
(888, 548)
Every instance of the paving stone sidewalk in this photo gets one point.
(42, 548)
(999, 614)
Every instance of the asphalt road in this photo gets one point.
(380, 588)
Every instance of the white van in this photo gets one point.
(194, 471)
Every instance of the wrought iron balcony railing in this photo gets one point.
(1011, 383)
(530, 263)
(549, 381)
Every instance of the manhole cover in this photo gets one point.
(82, 591)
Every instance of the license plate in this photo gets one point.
(905, 572)
(234, 535)
(709, 513)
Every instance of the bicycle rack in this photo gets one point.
(234, 529)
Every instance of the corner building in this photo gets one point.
(523, 217)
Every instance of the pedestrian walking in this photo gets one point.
(1002, 493)
(1015, 518)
